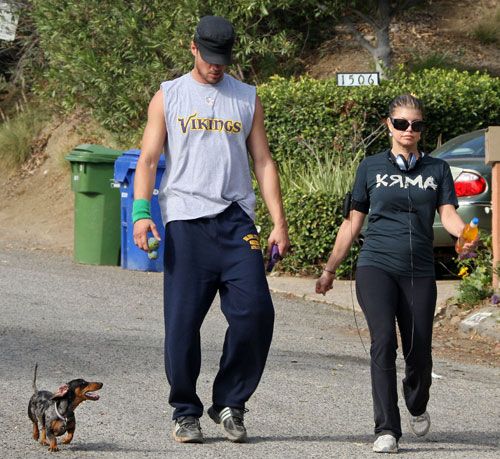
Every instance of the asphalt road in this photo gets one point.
(106, 324)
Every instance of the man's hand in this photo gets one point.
(325, 282)
(278, 236)
(141, 229)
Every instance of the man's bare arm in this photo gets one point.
(268, 179)
(153, 141)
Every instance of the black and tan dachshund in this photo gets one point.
(55, 412)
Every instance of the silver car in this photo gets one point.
(465, 155)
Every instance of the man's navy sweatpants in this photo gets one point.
(202, 257)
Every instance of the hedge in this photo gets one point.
(313, 222)
(330, 117)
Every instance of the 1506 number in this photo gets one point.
(358, 79)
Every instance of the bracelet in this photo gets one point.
(329, 271)
(141, 208)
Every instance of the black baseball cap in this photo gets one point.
(214, 37)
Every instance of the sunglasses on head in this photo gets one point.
(402, 125)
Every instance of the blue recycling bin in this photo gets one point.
(132, 257)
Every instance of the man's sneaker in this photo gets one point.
(420, 425)
(385, 444)
(232, 423)
(187, 430)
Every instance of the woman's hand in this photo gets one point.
(325, 282)
(469, 247)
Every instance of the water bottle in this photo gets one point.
(469, 234)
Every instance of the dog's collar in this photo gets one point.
(63, 419)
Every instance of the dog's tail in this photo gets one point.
(35, 390)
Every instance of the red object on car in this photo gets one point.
(469, 184)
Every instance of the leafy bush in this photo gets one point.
(327, 116)
(313, 193)
(313, 222)
(327, 174)
(112, 55)
(476, 272)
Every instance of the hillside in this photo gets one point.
(36, 210)
(441, 34)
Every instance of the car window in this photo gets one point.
(471, 148)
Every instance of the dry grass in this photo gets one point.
(17, 136)
(487, 30)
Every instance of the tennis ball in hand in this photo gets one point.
(153, 255)
(153, 243)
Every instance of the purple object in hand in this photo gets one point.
(275, 256)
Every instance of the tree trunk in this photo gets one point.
(379, 18)
(382, 54)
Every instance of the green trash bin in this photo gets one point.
(97, 205)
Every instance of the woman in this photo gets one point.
(400, 190)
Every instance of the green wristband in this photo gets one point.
(141, 209)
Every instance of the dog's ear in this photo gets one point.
(60, 392)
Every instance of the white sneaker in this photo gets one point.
(385, 444)
(420, 425)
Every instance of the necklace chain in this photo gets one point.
(210, 98)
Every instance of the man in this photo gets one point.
(208, 122)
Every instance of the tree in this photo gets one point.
(378, 14)
(19, 58)
(111, 55)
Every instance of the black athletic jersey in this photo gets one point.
(401, 207)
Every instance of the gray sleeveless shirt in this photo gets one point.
(206, 156)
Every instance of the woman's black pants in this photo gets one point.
(384, 298)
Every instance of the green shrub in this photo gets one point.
(313, 193)
(313, 222)
(327, 116)
(328, 174)
(476, 273)
(112, 55)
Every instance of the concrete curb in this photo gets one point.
(343, 294)
(485, 322)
